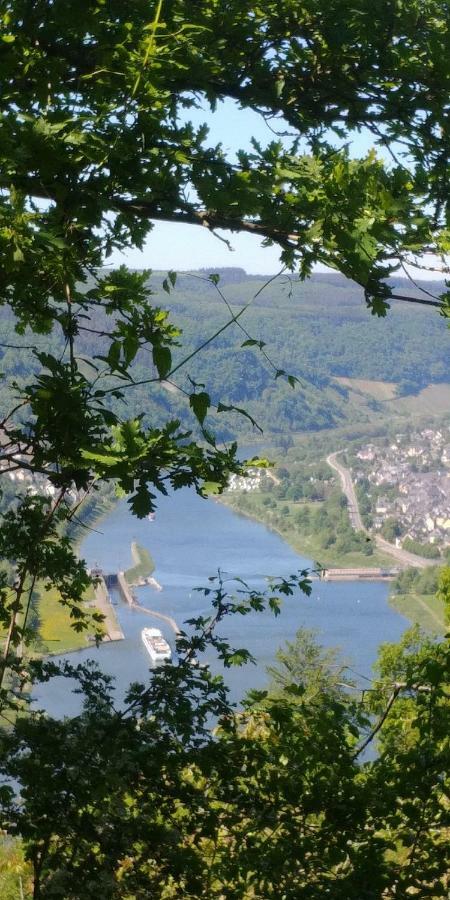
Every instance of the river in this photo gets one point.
(190, 539)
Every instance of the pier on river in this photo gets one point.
(113, 631)
(118, 580)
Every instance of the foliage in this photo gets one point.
(444, 591)
(427, 550)
(318, 673)
(390, 529)
(327, 311)
(275, 802)
(421, 581)
(15, 874)
(96, 144)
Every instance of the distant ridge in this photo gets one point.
(238, 275)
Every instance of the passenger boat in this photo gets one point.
(156, 645)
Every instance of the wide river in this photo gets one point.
(190, 539)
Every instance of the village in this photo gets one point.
(33, 483)
(404, 485)
(248, 482)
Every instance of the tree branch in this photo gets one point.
(381, 720)
(420, 300)
(208, 218)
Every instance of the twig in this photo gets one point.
(381, 720)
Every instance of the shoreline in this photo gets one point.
(330, 564)
(100, 598)
(407, 613)
(79, 640)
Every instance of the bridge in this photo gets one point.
(363, 574)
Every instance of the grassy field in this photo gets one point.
(143, 564)
(305, 544)
(433, 400)
(424, 610)
(15, 872)
(379, 390)
(55, 629)
(56, 634)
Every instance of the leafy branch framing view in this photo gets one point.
(179, 794)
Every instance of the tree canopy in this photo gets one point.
(99, 106)
(96, 144)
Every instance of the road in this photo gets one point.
(349, 491)
(402, 556)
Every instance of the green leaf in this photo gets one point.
(211, 487)
(162, 359)
(260, 462)
(103, 457)
(131, 347)
(200, 404)
(114, 354)
(224, 407)
(141, 502)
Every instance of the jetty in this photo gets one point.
(113, 631)
(158, 615)
(142, 571)
(118, 580)
(124, 588)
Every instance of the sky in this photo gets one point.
(187, 247)
(181, 247)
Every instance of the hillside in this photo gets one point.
(351, 366)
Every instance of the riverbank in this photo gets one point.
(305, 545)
(55, 631)
(56, 634)
(425, 610)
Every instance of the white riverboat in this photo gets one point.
(156, 645)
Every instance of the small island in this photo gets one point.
(143, 568)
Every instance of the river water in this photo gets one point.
(190, 539)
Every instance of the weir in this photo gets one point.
(118, 580)
(363, 574)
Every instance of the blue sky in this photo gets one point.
(187, 247)
(174, 246)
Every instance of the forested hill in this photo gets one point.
(319, 331)
(322, 327)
